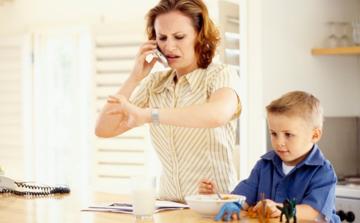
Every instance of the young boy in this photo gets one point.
(296, 168)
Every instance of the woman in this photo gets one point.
(191, 108)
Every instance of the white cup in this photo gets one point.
(143, 196)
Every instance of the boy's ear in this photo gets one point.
(317, 133)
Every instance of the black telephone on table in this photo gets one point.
(8, 185)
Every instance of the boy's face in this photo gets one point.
(292, 137)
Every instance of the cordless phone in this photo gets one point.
(160, 57)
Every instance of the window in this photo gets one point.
(229, 22)
(12, 89)
(61, 107)
(117, 159)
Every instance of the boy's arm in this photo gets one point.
(320, 197)
(306, 212)
(269, 206)
(249, 187)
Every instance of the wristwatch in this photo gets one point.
(155, 116)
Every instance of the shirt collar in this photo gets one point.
(167, 80)
(314, 158)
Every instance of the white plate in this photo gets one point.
(209, 205)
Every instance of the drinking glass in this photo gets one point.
(143, 196)
(356, 30)
(332, 40)
(344, 39)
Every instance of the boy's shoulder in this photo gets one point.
(314, 159)
(317, 158)
(323, 162)
(270, 155)
(316, 163)
(269, 158)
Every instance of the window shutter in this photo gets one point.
(229, 21)
(116, 159)
(230, 31)
(11, 101)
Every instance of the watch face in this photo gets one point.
(155, 116)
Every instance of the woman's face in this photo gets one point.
(176, 37)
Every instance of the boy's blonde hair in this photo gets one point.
(301, 104)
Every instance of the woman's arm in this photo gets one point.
(220, 108)
(112, 125)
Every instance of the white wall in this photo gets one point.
(290, 30)
(26, 14)
(280, 35)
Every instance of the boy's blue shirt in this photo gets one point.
(311, 182)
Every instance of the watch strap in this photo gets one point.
(155, 116)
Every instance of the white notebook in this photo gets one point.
(122, 207)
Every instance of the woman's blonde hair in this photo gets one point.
(301, 104)
(208, 35)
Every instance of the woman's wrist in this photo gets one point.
(133, 79)
(151, 115)
(147, 115)
(136, 78)
(155, 118)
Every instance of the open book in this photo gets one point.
(128, 208)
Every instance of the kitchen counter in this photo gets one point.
(67, 208)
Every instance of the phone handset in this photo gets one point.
(160, 56)
(7, 185)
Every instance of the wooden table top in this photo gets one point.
(67, 208)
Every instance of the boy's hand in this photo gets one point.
(270, 208)
(207, 187)
(229, 211)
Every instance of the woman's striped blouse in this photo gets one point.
(188, 155)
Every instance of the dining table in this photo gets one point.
(69, 208)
